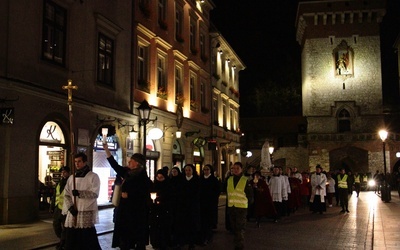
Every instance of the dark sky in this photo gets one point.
(264, 37)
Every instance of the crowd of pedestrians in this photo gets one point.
(183, 212)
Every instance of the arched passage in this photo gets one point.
(351, 158)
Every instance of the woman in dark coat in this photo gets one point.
(175, 182)
(263, 204)
(189, 207)
(294, 199)
(209, 195)
(160, 213)
(131, 222)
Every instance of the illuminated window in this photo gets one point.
(215, 111)
(161, 78)
(54, 33)
(178, 85)
(105, 60)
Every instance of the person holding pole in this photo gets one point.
(82, 215)
(131, 220)
(57, 205)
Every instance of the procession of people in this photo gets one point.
(180, 207)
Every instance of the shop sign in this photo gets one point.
(152, 154)
(7, 115)
(112, 146)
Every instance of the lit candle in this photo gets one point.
(153, 196)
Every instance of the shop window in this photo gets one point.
(52, 156)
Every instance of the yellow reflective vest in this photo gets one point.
(357, 179)
(342, 183)
(236, 195)
(59, 197)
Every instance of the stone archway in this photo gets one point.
(396, 167)
(351, 158)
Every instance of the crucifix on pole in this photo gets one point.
(70, 88)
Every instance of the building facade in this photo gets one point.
(85, 41)
(342, 85)
(342, 95)
(226, 133)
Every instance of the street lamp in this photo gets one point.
(271, 150)
(385, 190)
(144, 115)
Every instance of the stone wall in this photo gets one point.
(321, 86)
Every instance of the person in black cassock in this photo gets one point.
(209, 195)
(160, 213)
(131, 222)
(188, 219)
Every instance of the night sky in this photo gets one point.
(264, 38)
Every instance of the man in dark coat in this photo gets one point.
(188, 223)
(131, 222)
(209, 195)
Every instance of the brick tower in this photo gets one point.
(342, 83)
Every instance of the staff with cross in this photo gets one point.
(70, 88)
(80, 196)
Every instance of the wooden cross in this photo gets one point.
(70, 87)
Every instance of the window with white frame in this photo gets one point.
(143, 68)
(193, 104)
(232, 120)
(215, 110)
(224, 115)
(178, 85)
(161, 78)
(235, 120)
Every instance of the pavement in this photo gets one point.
(371, 224)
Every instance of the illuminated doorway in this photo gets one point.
(103, 169)
(52, 156)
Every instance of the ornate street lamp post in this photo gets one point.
(144, 116)
(386, 196)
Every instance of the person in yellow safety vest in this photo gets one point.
(239, 195)
(357, 183)
(343, 191)
(56, 207)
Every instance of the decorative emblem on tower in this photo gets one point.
(343, 58)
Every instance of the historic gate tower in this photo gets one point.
(342, 83)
